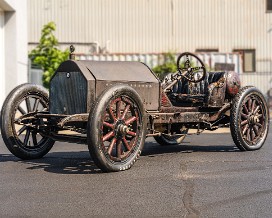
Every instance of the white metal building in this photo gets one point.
(155, 26)
(13, 45)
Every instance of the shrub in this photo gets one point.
(169, 65)
(47, 55)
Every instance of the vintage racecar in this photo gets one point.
(114, 106)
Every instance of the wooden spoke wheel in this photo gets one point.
(116, 130)
(249, 119)
(23, 138)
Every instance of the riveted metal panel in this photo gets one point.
(120, 71)
(77, 84)
(148, 91)
(68, 93)
(74, 94)
(134, 74)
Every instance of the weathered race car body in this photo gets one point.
(114, 106)
(77, 84)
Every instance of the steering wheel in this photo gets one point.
(193, 74)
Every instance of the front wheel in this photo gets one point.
(249, 119)
(23, 139)
(116, 128)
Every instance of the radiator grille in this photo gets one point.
(68, 93)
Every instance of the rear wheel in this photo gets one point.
(116, 129)
(249, 120)
(24, 140)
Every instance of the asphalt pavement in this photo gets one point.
(205, 176)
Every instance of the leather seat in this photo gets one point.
(186, 87)
(195, 93)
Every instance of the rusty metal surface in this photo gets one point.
(149, 92)
(72, 89)
(165, 102)
(91, 78)
(129, 71)
(178, 109)
(74, 118)
(77, 84)
(222, 110)
(68, 93)
(233, 83)
(216, 93)
(185, 117)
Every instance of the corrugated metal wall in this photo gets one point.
(156, 26)
(262, 81)
(146, 26)
(153, 60)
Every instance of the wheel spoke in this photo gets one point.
(130, 120)
(28, 105)
(111, 114)
(34, 138)
(244, 122)
(111, 145)
(108, 136)
(27, 137)
(259, 125)
(249, 104)
(259, 115)
(125, 142)
(245, 109)
(245, 129)
(253, 105)
(255, 128)
(119, 148)
(125, 111)
(243, 115)
(36, 104)
(118, 109)
(108, 124)
(131, 133)
(256, 110)
(248, 134)
(20, 131)
(252, 134)
(22, 111)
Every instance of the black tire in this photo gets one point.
(249, 119)
(116, 128)
(165, 140)
(21, 100)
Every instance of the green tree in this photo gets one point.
(169, 65)
(47, 55)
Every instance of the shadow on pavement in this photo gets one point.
(155, 149)
(80, 162)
